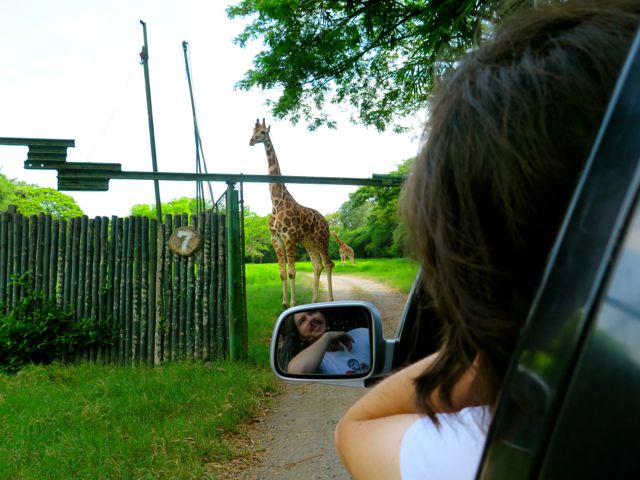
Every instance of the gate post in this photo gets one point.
(237, 319)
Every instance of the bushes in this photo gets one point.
(37, 330)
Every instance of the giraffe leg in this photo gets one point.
(317, 270)
(282, 264)
(328, 263)
(291, 260)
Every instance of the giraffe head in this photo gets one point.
(260, 132)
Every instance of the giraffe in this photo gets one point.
(291, 223)
(345, 251)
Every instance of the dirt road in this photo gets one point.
(294, 438)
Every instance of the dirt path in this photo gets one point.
(294, 438)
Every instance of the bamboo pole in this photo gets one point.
(62, 274)
(221, 313)
(160, 322)
(183, 298)
(103, 284)
(189, 319)
(45, 223)
(135, 294)
(88, 267)
(18, 247)
(118, 292)
(31, 256)
(175, 334)
(144, 289)
(9, 300)
(129, 229)
(69, 262)
(151, 304)
(112, 290)
(95, 279)
(82, 254)
(206, 276)
(4, 220)
(167, 291)
(53, 260)
(24, 260)
(39, 249)
(197, 307)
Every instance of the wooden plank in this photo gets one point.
(16, 141)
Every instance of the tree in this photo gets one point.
(176, 206)
(31, 200)
(257, 237)
(379, 56)
(369, 220)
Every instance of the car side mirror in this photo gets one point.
(333, 342)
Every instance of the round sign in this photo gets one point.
(185, 241)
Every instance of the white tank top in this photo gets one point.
(451, 452)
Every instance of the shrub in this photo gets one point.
(37, 330)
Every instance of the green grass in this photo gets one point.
(95, 422)
(395, 272)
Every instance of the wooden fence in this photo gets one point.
(158, 306)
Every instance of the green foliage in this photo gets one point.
(176, 206)
(257, 237)
(381, 57)
(368, 222)
(32, 200)
(37, 330)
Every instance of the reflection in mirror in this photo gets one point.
(325, 341)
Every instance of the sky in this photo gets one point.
(71, 70)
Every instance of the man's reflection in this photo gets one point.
(311, 343)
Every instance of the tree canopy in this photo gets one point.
(173, 207)
(32, 199)
(381, 57)
(369, 221)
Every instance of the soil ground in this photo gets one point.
(293, 438)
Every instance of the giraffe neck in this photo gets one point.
(278, 190)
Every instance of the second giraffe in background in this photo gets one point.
(345, 251)
(291, 223)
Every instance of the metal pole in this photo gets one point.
(196, 130)
(144, 57)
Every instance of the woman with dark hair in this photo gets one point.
(508, 133)
(309, 344)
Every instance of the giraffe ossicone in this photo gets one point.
(291, 223)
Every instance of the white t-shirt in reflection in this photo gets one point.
(451, 452)
(349, 362)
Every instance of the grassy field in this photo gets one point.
(171, 422)
(396, 272)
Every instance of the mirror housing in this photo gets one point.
(353, 316)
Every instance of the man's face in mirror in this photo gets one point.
(311, 324)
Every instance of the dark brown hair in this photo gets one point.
(507, 136)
